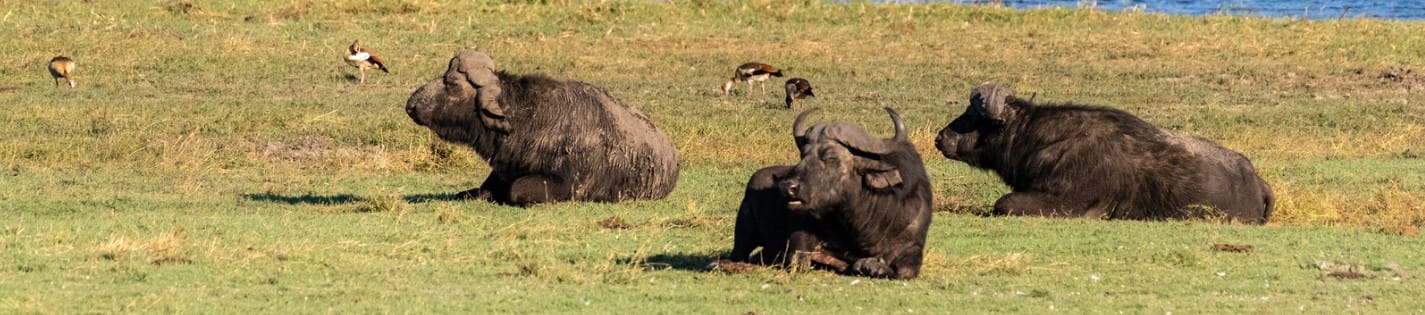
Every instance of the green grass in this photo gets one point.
(217, 157)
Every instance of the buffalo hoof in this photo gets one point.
(473, 194)
(872, 267)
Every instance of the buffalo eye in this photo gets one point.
(829, 156)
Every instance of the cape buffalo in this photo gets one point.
(546, 140)
(1100, 162)
(854, 204)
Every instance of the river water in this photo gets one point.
(1310, 9)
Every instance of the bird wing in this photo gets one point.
(761, 69)
(379, 64)
(359, 56)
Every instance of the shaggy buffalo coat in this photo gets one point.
(546, 140)
(854, 204)
(1099, 162)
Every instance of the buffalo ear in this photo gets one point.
(881, 176)
(990, 100)
(479, 70)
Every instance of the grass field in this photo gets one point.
(217, 157)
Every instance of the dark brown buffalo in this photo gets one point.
(1098, 162)
(854, 204)
(546, 140)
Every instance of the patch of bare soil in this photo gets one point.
(728, 266)
(1352, 275)
(172, 260)
(1405, 230)
(306, 148)
(1393, 75)
(1233, 248)
(614, 223)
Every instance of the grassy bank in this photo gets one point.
(218, 156)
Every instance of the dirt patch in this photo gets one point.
(1352, 275)
(1233, 248)
(614, 223)
(1405, 230)
(1400, 76)
(728, 266)
(172, 260)
(304, 149)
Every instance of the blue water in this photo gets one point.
(1310, 9)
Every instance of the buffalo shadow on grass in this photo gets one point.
(676, 261)
(338, 199)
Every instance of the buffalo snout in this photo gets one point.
(943, 144)
(792, 189)
(411, 111)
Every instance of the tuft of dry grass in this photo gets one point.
(391, 203)
(165, 248)
(1009, 264)
(450, 215)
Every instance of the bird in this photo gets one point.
(798, 88)
(361, 59)
(751, 71)
(62, 67)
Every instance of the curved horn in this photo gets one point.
(989, 100)
(478, 70)
(799, 133)
(900, 125)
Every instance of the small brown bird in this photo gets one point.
(798, 88)
(62, 67)
(751, 71)
(361, 59)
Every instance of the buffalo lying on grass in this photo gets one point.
(546, 140)
(1099, 162)
(854, 204)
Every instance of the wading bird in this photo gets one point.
(798, 88)
(361, 59)
(62, 67)
(751, 71)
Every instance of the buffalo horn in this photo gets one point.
(900, 125)
(799, 132)
(989, 100)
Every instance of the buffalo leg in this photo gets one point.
(494, 189)
(874, 267)
(762, 219)
(805, 250)
(744, 238)
(530, 190)
(907, 265)
(1038, 204)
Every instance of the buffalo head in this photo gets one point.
(839, 161)
(469, 91)
(989, 111)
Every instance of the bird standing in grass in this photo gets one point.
(362, 59)
(751, 71)
(62, 67)
(798, 88)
